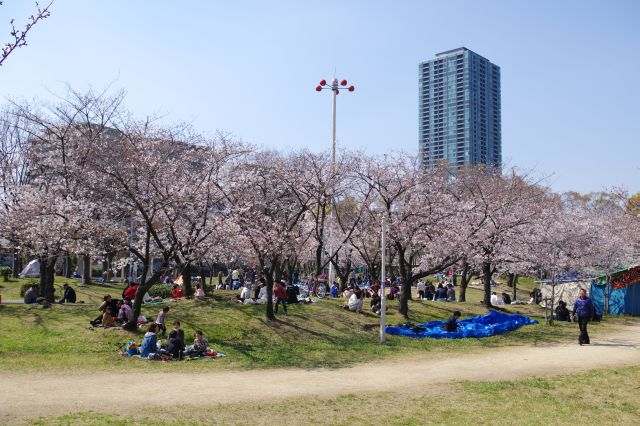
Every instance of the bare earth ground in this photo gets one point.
(23, 396)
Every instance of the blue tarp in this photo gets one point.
(625, 300)
(481, 326)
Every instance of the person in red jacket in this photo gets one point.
(176, 293)
(130, 291)
(281, 297)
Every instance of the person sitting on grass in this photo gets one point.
(376, 303)
(245, 294)
(177, 329)
(355, 302)
(394, 291)
(451, 293)
(199, 291)
(125, 313)
(31, 295)
(107, 302)
(175, 347)
(108, 319)
(441, 293)
(69, 295)
(562, 313)
(451, 325)
(293, 291)
(199, 347)
(150, 342)
(506, 299)
(176, 293)
(494, 299)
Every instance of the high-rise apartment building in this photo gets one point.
(460, 110)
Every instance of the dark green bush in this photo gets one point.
(5, 272)
(161, 290)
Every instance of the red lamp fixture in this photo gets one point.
(334, 85)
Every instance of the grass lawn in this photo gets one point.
(316, 335)
(608, 396)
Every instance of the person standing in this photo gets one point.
(281, 297)
(583, 307)
(160, 320)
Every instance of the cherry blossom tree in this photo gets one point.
(19, 36)
(502, 207)
(47, 196)
(269, 209)
(421, 214)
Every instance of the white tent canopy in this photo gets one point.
(32, 270)
(565, 291)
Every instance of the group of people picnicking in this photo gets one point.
(444, 292)
(32, 295)
(117, 312)
(174, 347)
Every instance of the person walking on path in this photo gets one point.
(584, 308)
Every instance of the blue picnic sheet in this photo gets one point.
(480, 326)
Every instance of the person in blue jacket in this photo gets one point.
(585, 311)
(334, 290)
(150, 342)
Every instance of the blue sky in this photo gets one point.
(570, 71)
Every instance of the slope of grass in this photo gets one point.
(319, 334)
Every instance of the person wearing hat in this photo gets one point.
(69, 295)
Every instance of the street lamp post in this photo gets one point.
(334, 86)
(378, 208)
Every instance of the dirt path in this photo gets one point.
(21, 396)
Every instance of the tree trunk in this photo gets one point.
(268, 275)
(465, 279)
(186, 280)
(291, 266)
(343, 274)
(486, 278)
(318, 260)
(68, 266)
(17, 263)
(137, 301)
(515, 286)
(47, 267)
(211, 273)
(86, 270)
(407, 281)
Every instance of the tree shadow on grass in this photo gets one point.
(278, 324)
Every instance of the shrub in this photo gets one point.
(5, 271)
(161, 290)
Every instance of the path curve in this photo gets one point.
(21, 396)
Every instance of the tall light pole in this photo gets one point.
(378, 208)
(335, 89)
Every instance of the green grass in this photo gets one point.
(315, 335)
(597, 397)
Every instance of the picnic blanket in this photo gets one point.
(480, 326)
